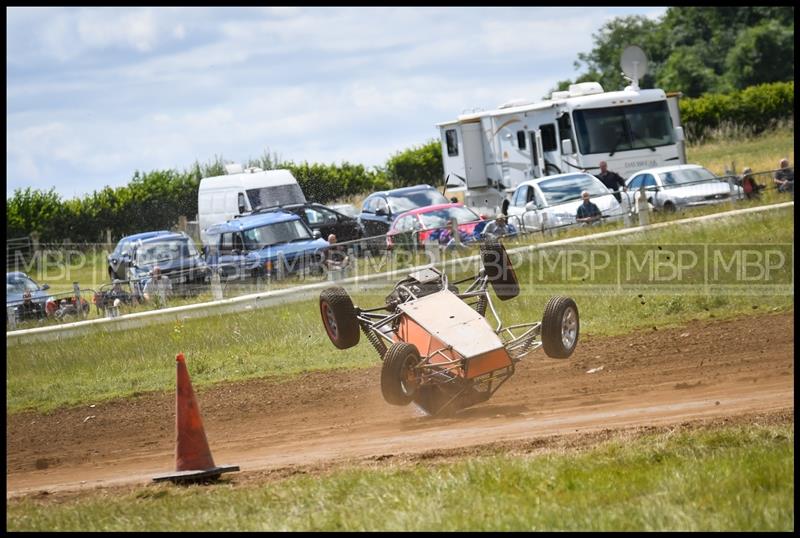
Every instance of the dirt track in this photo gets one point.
(655, 377)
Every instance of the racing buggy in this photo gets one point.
(438, 348)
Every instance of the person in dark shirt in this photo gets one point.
(30, 310)
(612, 180)
(588, 212)
(784, 178)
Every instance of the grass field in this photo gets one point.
(735, 478)
(290, 339)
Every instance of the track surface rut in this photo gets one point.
(653, 377)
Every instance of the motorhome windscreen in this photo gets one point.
(438, 218)
(684, 177)
(413, 200)
(276, 195)
(567, 188)
(613, 129)
(273, 234)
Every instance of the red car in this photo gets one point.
(432, 219)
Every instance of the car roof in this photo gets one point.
(171, 236)
(16, 274)
(538, 180)
(429, 208)
(672, 168)
(145, 235)
(252, 221)
(402, 190)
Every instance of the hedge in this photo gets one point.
(756, 108)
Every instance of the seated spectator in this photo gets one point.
(29, 309)
(784, 178)
(750, 188)
(158, 288)
(588, 211)
(335, 256)
(497, 228)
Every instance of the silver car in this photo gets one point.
(670, 188)
(553, 201)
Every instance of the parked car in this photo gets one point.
(176, 256)
(42, 302)
(252, 246)
(120, 258)
(346, 209)
(555, 200)
(325, 220)
(429, 222)
(379, 209)
(677, 187)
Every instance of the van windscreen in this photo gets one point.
(276, 195)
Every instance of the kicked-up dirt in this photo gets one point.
(652, 378)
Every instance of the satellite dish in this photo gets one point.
(634, 64)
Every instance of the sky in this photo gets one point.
(95, 94)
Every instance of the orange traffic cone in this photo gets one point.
(193, 459)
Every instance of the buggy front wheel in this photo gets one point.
(339, 317)
(560, 327)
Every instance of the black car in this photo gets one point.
(379, 209)
(325, 220)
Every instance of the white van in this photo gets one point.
(221, 198)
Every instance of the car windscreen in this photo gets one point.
(18, 285)
(276, 233)
(640, 126)
(683, 177)
(276, 195)
(568, 188)
(162, 251)
(439, 218)
(400, 203)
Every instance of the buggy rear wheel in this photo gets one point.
(498, 268)
(339, 317)
(560, 327)
(398, 381)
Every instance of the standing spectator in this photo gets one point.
(750, 188)
(784, 178)
(612, 180)
(335, 256)
(158, 288)
(588, 211)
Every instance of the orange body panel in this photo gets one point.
(411, 332)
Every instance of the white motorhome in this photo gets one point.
(488, 154)
(241, 191)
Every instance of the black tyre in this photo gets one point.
(498, 268)
(398, 382)
(560, 327)
(339, 317)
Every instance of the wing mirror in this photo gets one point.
(566, 145)
(531, 206)
(679, 135)
(45, 286)
(317, 234)
(381, 211)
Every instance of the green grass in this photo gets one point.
(759, 153)
(289, 339)
(737, 478)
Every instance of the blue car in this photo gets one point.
(175, 255)
(266, 244)
(120, 260)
